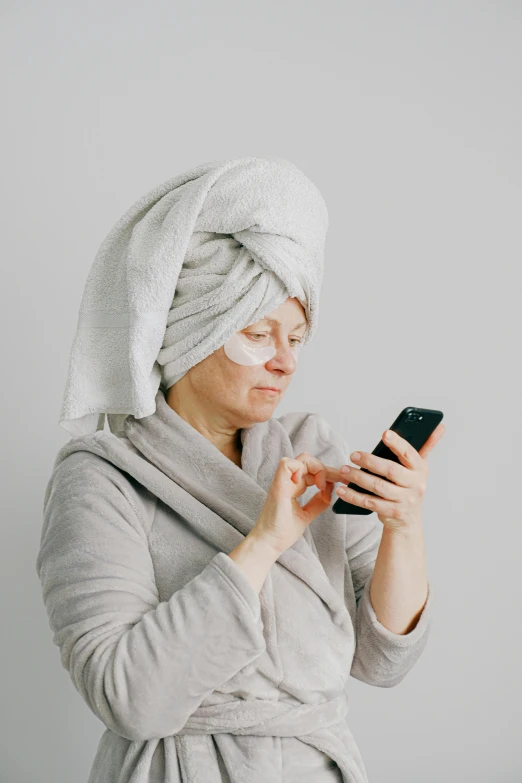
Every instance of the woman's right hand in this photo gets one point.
(283, 520)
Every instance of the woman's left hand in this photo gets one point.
(401, 491)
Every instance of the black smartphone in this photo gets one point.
(414, 425)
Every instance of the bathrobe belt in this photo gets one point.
(265, 718)
(319, 725)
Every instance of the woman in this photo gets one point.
(208, 611)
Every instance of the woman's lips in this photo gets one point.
(268, 390)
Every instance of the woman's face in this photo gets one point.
(231, 389)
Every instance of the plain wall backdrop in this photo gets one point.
(408, 117)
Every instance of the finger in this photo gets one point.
(294, 467)
(327, 491)
(320, 479)
(379, 486)
(314, 466)
(407, 454)
(379, 505)
(432, 441)
(394, 472)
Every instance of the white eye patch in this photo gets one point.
(241, 350)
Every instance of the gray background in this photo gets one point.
(408, 118)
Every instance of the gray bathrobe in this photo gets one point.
(195, 676)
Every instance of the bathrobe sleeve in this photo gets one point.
(141, 665)
(382, 658)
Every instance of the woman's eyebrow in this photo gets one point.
(275, 321)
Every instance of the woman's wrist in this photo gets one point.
(254, 556)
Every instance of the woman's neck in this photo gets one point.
(228, 443)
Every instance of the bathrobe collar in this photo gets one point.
(235, 495)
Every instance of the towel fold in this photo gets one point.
(195, 260)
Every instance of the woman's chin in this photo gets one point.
(261, 410)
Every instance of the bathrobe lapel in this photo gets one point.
(195, 472)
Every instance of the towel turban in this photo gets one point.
(198, 258)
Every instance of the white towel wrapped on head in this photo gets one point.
(195, 260)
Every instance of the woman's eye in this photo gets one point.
(293, 340)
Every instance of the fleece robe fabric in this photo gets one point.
(196, 677)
